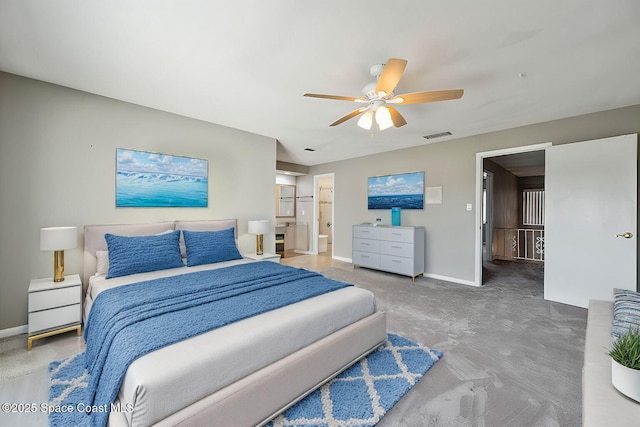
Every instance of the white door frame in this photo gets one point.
(479, 177)
(316, 211)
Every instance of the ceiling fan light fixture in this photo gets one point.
(366, 120)
(383, 118)
(381, 97)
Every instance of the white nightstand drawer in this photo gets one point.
(396, 234)
(397, 248)
(54, 298)
(366, 232)
(366, 259)
(47, 319)
(398, 265)
(263, 257)
(366, 245)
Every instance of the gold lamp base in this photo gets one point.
(58, 266)
(259, 244)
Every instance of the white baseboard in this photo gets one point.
(432, 276)
(6, 333)
(450, 279)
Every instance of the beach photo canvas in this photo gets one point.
(405, 191)
(146, 179)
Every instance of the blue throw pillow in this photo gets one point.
(140, 254)
(208, 247)
(626, 312)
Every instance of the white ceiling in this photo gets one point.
(246, 63)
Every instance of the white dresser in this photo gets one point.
(394, 249)
(54, 307)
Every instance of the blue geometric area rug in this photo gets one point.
(359, 396)
(363, 393)
(67, 389)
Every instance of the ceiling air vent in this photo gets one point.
(309, 149)
(437, 135)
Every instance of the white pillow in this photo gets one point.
(102, 263)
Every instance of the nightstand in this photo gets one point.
(264, 257)
(54, 307)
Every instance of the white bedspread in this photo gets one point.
(169, 379)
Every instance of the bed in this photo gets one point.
(243, 373)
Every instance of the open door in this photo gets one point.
(591, 225)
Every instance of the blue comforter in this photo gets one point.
(130, 321)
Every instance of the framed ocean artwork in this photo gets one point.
(146, 179)
(405, 191)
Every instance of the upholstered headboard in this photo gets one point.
(94, 237)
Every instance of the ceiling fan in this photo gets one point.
(380, 97)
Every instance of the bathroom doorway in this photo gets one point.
(323, 214)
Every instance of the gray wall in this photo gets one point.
(57, 164)
(450, 237)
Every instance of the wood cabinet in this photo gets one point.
(397, 250)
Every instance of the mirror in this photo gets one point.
(285, 200)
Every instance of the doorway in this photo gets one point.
(323, 215)
(481, 183)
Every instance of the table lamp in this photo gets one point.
(58, 239)
(259, 228)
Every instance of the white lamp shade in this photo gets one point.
(58, 238)
(261, 226)
(383, 118)
(366, 120)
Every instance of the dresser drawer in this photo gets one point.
(397, 249)
(54, 298)
(397, 234)
(366, 259)
(396, 264)
(56, 317)
(366, 232)
(366, 245)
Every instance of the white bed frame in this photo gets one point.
(258, 397)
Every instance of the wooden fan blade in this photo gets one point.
(421, 97)
(338, 97)
(347, 117)
(391, 74)
(396, 117)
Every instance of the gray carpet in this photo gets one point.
(510, 358)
